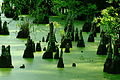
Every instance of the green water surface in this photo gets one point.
(89, 65)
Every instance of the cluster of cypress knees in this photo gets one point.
(112, 62)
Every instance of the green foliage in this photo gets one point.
(111, 1)
(40, 8)
(109, 22)
(74, 7)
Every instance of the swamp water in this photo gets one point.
(89, 65)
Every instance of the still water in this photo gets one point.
(89, 65)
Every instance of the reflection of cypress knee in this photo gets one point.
(60, 62)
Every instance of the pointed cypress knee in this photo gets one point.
(67, 48)
(73, 64)
(48, 54)
(56, 56)
(52, 38)
(108, 61)
(3, 49)
(64, 42)
(9, 55)
(24, 31)
(60, 62)
(28, 52)
(44, 49)
(5, 29)
(5, 58)
(86, 27)
(114, 68)
(76, 35)
(80, 42)
(102, 50)
(91, 38)
(38, 46)
(43, 39)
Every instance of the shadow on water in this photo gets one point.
(3, 35)
(21, 39)
(5, 71)
(111, 76)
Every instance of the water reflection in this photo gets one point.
(28, 60)
(5, 71)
